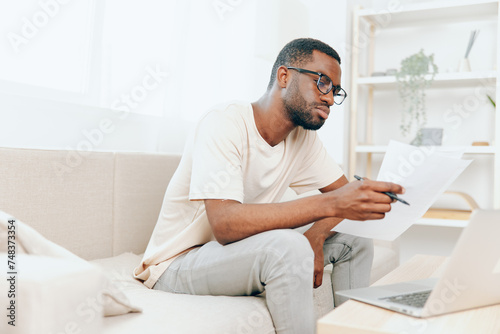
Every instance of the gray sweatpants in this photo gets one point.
(279, 262)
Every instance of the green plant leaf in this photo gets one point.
(491, 100)
(417, 72)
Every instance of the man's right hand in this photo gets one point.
(359, 200)
(363, 200)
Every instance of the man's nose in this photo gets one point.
(328, 98)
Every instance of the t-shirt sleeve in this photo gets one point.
(317, 168)
(216, 165)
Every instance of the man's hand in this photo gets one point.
(317, 240)
(360, 200)
(364, 200)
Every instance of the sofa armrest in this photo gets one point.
(385, 259)
(52, 295)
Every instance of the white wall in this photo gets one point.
(329, 23)
(80, 66)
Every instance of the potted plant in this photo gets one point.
(416, 74)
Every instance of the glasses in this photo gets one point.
(325, 85)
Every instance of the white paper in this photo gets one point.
(425, 173)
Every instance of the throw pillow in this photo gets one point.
(31, 242)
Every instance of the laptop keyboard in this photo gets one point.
(416, 299)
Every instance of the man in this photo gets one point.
(222, 230)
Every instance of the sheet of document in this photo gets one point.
(425, 173)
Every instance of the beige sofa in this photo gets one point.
(103, 207)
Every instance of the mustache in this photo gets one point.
(323, 106)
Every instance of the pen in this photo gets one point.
(391, 195)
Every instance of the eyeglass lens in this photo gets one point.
(339, 95)
(325, 85)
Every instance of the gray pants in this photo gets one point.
(279, 262)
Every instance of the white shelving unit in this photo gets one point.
(467, 149)
(417, 15)
(447, 80)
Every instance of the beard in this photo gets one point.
(299, 112)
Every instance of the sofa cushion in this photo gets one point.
(139, 186)
(29, 242)
(51, 295)
(65, 195)
(182, 313)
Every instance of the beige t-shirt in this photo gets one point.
(226, 158)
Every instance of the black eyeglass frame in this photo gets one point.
(320, 75)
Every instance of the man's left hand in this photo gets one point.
(317, 240)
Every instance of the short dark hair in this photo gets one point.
(299, 51)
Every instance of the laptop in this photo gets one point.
(470, 279)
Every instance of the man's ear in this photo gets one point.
(282, 76)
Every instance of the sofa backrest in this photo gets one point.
(95, 204)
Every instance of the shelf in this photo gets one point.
(468, 149)
(434, 15)
(449, 80)
(431, 11)
(442, 222)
